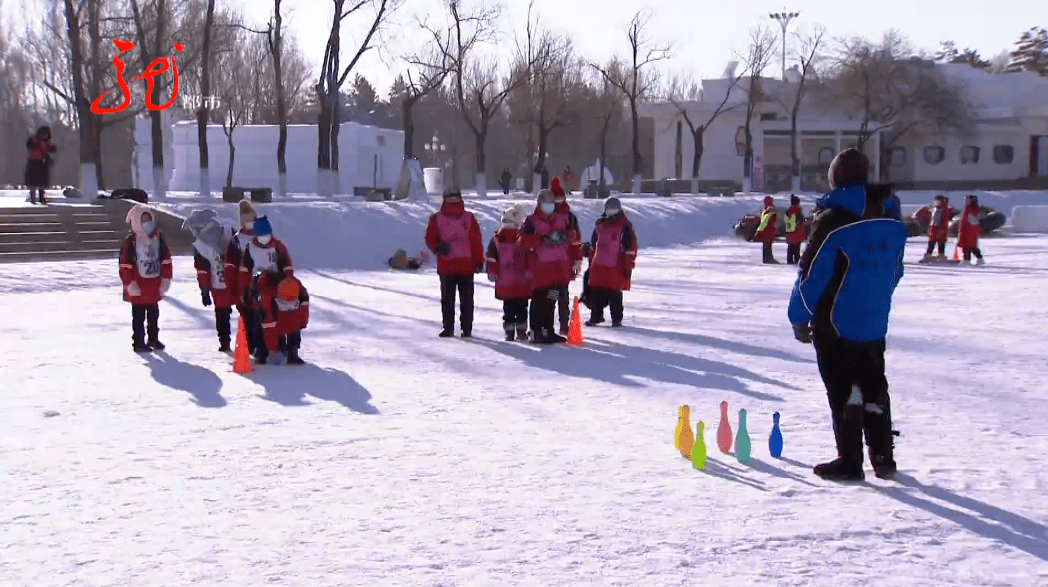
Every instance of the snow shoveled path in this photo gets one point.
(396, 458)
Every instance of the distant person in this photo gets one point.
(453, 234)
(613, 256)
(38, 167)
(970, 230)
(561, 200)
(504, 180)
(554, 256)
(795, 233)
(569, 178)
(768, 229)
(402, 262)
(507, 268)
(938, 229)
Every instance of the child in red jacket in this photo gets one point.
(145, 271)
(795, 233)
(453, 234)
(938, 229)
(970, 230)
(209, 259)
(284, 316)
(612, 259)
(507, 267)
(554, 255)
(768, 229)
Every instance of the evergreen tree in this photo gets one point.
(948, 53)
(1031, 52)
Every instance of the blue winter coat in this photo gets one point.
(851, 266)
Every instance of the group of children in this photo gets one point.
(532, 259)
(247, 268)
(968, 233)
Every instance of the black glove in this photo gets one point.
(586, 249)
(802, 332)
(205, 297)
(529, 228)
(442, 249)
(479, 268)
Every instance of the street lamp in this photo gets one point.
(784, 19)
(435, 147)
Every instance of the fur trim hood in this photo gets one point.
(134, 218)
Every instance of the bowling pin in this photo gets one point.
(775, 441)
(687, 437)
(724, 430)
(742, 440)
(682, 415)
(698, 450)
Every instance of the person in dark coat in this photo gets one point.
(38, 167)
(504, 180)
(840, 304)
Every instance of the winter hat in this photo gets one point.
(43, 131)
(794, 200)
(509, 218)
(849, 166)
(768, 201)
(288, 290)
(452, 194)
(556, 188)
(972, 199)
(206, 227)
(134, 217)
(612, 206)
(262, 227)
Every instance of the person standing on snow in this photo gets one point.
(145, 271)
(938, 229)
(794, 230)
(209, 260)
(453, 235)
(38, 167)
(840, 304)
(612, 259)
(561, 200)
(264, 264)
(507, 267)
(554, 256)
(234, 254)
(768, 229)
(970, 230)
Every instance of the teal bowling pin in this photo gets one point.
(742, 440)
(775, 440)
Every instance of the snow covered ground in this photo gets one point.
(396, 458)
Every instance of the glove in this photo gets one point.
(276, 358)
(577, 268)
(442, 249)
(205, 297)
(802, 332)
(491, 277)
(165, 284)
(133, 290)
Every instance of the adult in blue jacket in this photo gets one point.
(841, 302)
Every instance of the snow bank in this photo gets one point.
(1030, 219)
(362, 235)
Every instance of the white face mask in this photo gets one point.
(612, 211)
(548, 208)
(264, 239)
(148, 226)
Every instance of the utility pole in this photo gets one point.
(784, 19)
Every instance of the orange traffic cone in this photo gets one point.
(956, 257)
(575, 327)
(241, 360)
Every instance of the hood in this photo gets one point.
(208, 229)
(134, 218)
(850, 197)
(453, 208)
(245, 207)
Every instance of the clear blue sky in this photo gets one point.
(704, 33)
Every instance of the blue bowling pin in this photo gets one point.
(775, 441)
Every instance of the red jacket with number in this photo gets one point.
(769, 220)
(257, 258)
(970, 230)
(614, 253)
(550, 264)
(146, 271)
(507, 261)
(234, 254)
(938, 231)
(277, 322)
(796, 215)
(459, 229)
(212, 274)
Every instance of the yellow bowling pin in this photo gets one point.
(682, 416)
(687, 437)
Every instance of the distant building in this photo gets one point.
(1008, 149)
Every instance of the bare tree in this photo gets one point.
(88, 155)
(203, 116)
(239, 69)
(636, 80)
(808, 53)
(682, 91)
(333, 76)
(431, 66)
(608, 107)
(763, 43)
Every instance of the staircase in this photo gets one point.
(69, 232)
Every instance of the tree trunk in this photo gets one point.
(97, 123)
(480, 139)
(278, 78)
(601, 183)
(636, 146)
(232, 154)
(408, 122)
(336, 126)
(323, 148)
(96, 136)
(203, 113)
(699, 147)
(86, 118)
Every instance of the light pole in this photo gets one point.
(435, 147)
(784, 19)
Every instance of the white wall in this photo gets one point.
(986, 138)
(720, 160)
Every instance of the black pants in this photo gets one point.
(969, 252)
(33, 192)
(514, 313)
(448, 286)
(602, 297)
(248, 314)
(144, 318)
(222, 317)
(768, 256)
(857, 390)
(543, 312)
(931, 247)
(564, 306)
(793, 253)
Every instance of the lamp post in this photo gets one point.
(784, 18)
(435, 147)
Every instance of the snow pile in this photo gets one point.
(1030, 219)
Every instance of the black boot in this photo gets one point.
(564, 327)
(447, 333)
(152, 327)
(508, 328)
(155, 344)
(594, 320)
(138, 346)
(522, 331)
(841, 469)
(847, 429)
(292, 356)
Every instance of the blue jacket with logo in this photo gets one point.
(852, 264)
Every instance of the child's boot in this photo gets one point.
(292, 356)
(508, 328)
(139, 346)
(522, 331)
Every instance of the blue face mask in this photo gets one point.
(148, 226)
(548, 208)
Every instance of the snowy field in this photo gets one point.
(396, 458)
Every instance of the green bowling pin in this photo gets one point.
(742, 440)
(698, 450)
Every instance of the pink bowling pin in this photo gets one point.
(724, 436)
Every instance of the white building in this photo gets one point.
(369, 157)
(1009, 146)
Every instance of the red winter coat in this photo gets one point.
(257, 258)
(146, 272)
(551, 265)
(40, 149)
(795, 220)
(459, 229)
(970, 230)
(938, 231)
(211, 268)
(614, 253)
(769, 222)
(234, 254)
(507, 261)
(277, 322)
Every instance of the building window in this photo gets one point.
(934, 155)
(1003, 154)
(897, 156)
(969, 154)
(826, 155)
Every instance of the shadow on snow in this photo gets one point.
(195, 380)
(288, 385)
